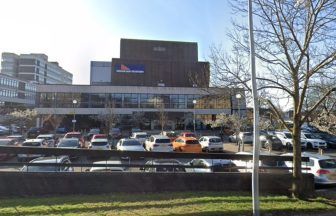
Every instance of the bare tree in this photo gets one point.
(23, 118)
(295, 44)
(162, 114)
(108, 117)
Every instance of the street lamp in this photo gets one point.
(240, 144)
(238, 96)
(194, 102)
(74, 102)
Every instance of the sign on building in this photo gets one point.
(129, 68)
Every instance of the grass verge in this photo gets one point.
(183, 203)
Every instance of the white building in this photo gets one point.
(34, 67)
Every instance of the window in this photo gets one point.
(130, 100)
(98, 100)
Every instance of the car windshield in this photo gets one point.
(141, 136)
(68, 143)
(31, 144)
(328, 164)
(99, 143)
(131, 143)
(162, 141)
(215, 140)
(310, 136)
(191, 142)
(288, 135)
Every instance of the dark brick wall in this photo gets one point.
(30, 184)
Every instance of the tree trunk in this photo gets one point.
(297, 171)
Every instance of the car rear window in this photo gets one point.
(31, 144)
(131, 143)
(189, 135)
(141, 136)
(162, 141)
(192, 142)
(99, 143)
(68, 143)
(73, 136)
(328, 164)
(215, 140)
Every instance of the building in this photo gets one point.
(151, 78)
(100, 73)
(34, 67)
(153, 63)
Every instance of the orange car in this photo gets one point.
(187, 144)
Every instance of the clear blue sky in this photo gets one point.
(74, 32)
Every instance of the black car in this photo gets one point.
(272, 142)
(330, 139)
(35, 131)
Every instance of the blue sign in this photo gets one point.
(129, 68)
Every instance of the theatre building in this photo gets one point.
(150, 79)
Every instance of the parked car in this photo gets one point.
(233, 138)
(109, 166)
(187, 144)
(211, 143)
(272, 142)
(115, 133)
(208, 165)
(171, 134)
(287, 140)
(4, 130)
(313, 141)
(77, 135)
(38, 143)
(164, 165)
(330, 139)
(61, 130)
(92, 132)
(246, 137)
(48, 138)
(72, 143)
(129, 145)
(7, 142)
(19, 139)
(263, 164)
(187, 134)
(140, 136)
(158, 143)
(321, 166)
(63, 162)
(99, 144)
(33, 132)
(99, 136)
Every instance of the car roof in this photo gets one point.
(140, 133)
(128, 139)
(33, 140)
(99, 140)
(210, 137)
(73, 133)
(186, 138)
(164, 161)
(108, 162)
(51, 159)
(72, 138)
(46, 135)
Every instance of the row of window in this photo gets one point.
(9, 82)
(15, 94)
(159, 101)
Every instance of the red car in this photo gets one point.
(187, 134)
(99, 136)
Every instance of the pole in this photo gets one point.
(256, 144)
(74, 120)
(194, 122)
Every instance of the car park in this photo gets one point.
(287, 139)
(321, 166)
(49, 139)
(77, 135)
(164, 165)
(211, 165)
(63, 165)
(37, 143)
(171, 134)
(211, 143)
(99, 144)
(140, 136)
(72, 143)
(187, 144)
(7, 142)
(158, 143)
(109, 166)
(313, 141)
(265, 166)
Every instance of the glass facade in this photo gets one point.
(153, 101)
(13, 88)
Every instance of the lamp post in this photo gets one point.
(194, 102)
(74, 102)
(240, 144)
(238, 96)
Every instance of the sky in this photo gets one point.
(75, 32)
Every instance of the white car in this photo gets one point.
(211, 143)
(313, 141)
(211, 165)
(321, 166)
(140, 136)
(129, 145)
(48, 138)
(287, 139)
(32, 143)
(62, 160)
(158, 143)
(109, 166)
(99, 144)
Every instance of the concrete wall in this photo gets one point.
(29, 184)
